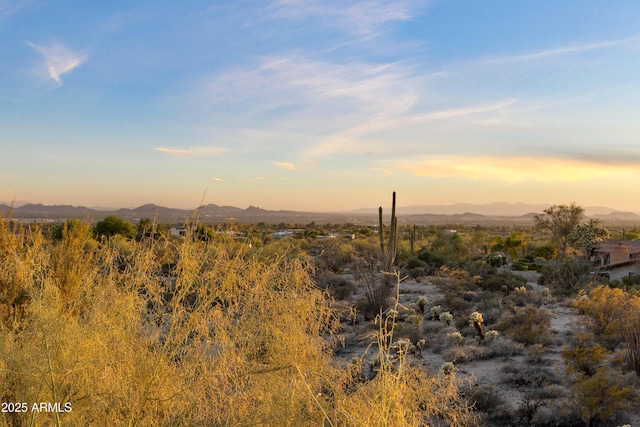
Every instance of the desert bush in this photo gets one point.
(495, 282)
(600, 398)
(535, 353)
(431, 329)
(504, 347)
(615, 317)
(527, 325)
(408, 330)
(455, 339)
(416, 273)
(489, 401)
(492, 335)
(583, 355)
(456, 303)
(522, 376)
(431, 258)
(338, 286)
(566, 278)
(529, 406)
(466, 353)
(416, 263)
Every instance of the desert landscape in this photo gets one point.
(335, 213)
(339, 324)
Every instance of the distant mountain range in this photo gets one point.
(498, 209)
(461, 213)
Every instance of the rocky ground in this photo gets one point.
(527, 383)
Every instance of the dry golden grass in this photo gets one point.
(228, 338)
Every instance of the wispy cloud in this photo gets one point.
(359, 17)
(297, 80)
(322, 108)
(319, 97)
(284, 165)
(215, 178)
(59, 60)
(354, 138)
(565, 50)
(192, 151)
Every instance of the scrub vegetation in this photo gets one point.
(161, 331)
(332, 325)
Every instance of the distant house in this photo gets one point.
(618, 258)
(180, 231)
(281, 234)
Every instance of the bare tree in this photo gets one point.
(560, 220)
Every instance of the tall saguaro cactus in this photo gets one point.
(388, 257)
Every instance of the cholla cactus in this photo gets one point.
(447, 368)
(435, 311)
(422, 302)
(416, 319)
(476, 320)
(522, 290)
(401, 346)
(475, 317)
(446, 318)
(455, 338)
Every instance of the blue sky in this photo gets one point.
(319, 104)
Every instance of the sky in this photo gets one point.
(319, 105)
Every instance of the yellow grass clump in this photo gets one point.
(160, 332)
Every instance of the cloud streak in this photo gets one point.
(356, 17)
(562, 51)
(191, 151)
(284, 165)
(354, 139)
(59, 60)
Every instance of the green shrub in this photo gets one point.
(416, 263)
(432, 258)
(520, 266)
(546, 252)
(495, 282)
